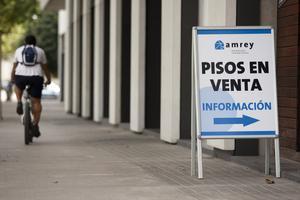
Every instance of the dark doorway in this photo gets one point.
(80, 59)
(62, 68)
(92, 42)
(247, 14)
(69, 90)
(153, 66)
(125, 56)
(189, 18)
(106, 58)
(298, 124)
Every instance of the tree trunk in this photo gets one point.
(1, 116)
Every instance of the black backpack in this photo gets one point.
(29, 56)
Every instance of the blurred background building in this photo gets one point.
(129, 62)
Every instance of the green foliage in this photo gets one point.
(15, 15)
(11, 41)
(15, 12)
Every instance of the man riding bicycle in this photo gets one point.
(30, 64)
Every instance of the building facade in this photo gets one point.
(288, 76)
(129, 62)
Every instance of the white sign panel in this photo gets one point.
(236, 83)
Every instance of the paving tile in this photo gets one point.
(78, 159)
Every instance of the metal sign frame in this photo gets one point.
(196, 141)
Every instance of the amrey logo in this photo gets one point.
(220, 45)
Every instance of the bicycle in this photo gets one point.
(28, 134)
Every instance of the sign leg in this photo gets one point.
(277, 157)
(193, 120)
(200, 164)
(267, 156)
(193, 145)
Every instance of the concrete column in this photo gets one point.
(137, 82)
(115, 62)
(268, 13)
(218, 13)
(76, 57)
(170, 74)
(68, 58)
(99, 60)
(86, 60)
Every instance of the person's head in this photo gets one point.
(30, 39)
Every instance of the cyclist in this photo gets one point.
(29, 67)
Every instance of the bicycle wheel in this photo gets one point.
(27, 124)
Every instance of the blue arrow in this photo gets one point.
(245, 120)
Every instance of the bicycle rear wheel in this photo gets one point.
(27, 124)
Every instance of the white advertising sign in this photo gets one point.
(236, 83)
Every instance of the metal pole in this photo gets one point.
(200, 161)
(193, 121)
(196, 103)
(277, 157)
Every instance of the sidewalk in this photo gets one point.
(77, 159)
(290, 169)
